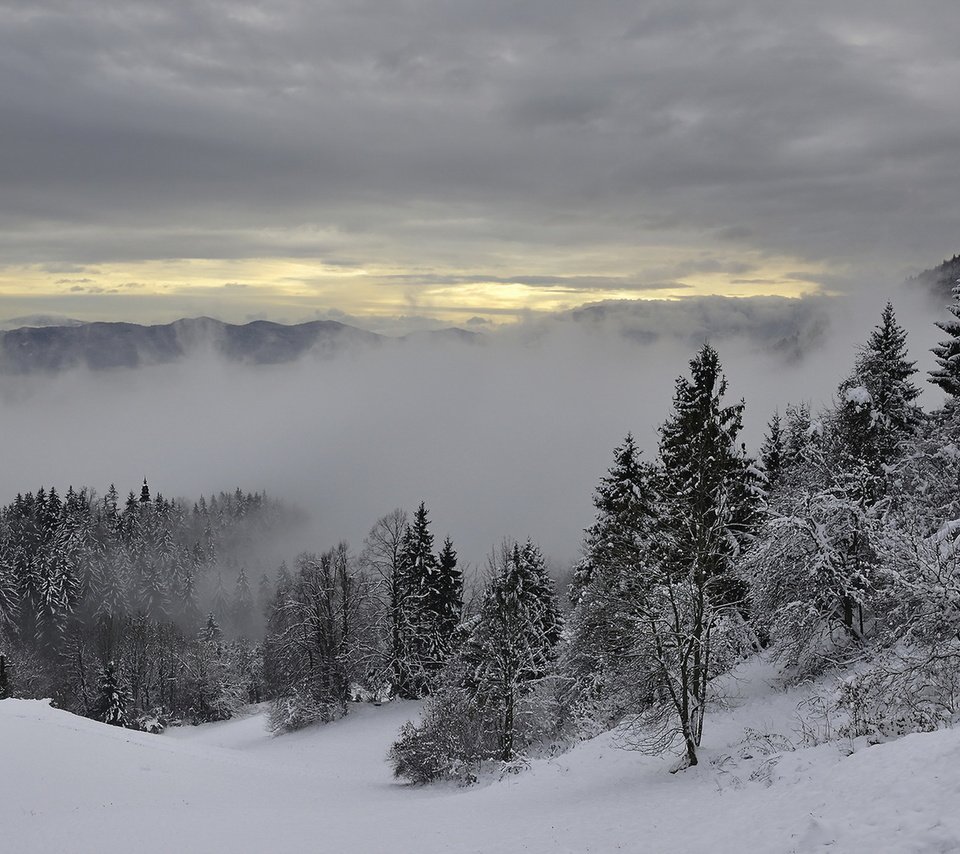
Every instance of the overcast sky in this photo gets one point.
(463, 158)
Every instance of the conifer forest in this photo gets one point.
(833, 545)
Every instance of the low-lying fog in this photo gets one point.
(502, 439)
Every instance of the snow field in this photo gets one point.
(68, 784)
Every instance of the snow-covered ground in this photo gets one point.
(68, 784)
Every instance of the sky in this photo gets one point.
(442, 162)
(598, 186)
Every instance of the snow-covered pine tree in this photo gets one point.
(710, 490)
(418, 588)
(624, 501)
(114, 699)
(444, 601)
(482, 708)
(512, 642)
(709, 507)
(947, 375)
(875, 410)
(615, 561)
(211, 633)
(773, 450)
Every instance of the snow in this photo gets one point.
(858, 395)
(71, 784)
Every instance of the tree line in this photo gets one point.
(836, 543)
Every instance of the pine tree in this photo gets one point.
(445, 602)
(512, 641)
(709, 509)
(772, 451)
(624, 500)
(615, 561)
(710, 490)
(418, 577)
(114, 699)
(876, 408)
(211, 633)
(947, 376)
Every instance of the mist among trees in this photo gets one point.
(837, 543)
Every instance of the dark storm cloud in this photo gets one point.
(822, 130)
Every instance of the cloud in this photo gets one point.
(507, 439)
(788, 328)
(572, 284)
(467, 135)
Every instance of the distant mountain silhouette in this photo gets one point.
(100, 346)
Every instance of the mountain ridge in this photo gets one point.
(105, 345)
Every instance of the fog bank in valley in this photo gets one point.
(505, 438)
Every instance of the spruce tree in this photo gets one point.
(445, 602)
(114, 699)
(512, 641)
(615, 562)
(876, 408)
(709, 508)
(947, 376)
(772, 450)
(710, 489)
(624, 501)
(418, 582)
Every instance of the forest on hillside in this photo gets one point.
(837, 543)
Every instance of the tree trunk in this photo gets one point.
(507, 735)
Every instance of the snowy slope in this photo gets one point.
(69, 784)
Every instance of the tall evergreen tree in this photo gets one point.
(876, 408)
(624, 501)
(512, 641)
(710, 489)
(445, 603)
(709, 509)
(615, 562)
(419, 579)
(773, 450)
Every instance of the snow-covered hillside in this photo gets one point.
(70, 784)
